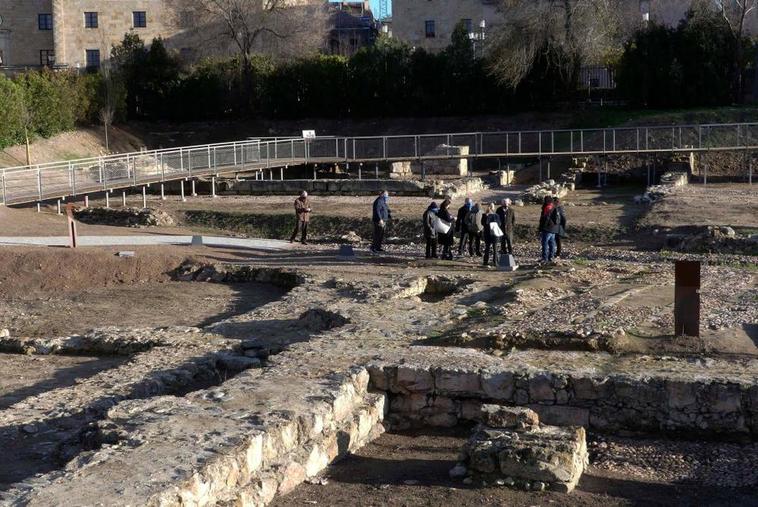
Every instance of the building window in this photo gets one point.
(140, 19)
(429, 29)
(90, 20)
(45, 21)
(47, 57)
(93, 59)
(468, 25)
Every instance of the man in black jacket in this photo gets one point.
(508, 220)
(380, 216)
(562, 226)
(460, 226)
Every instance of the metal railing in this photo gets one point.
(75, 177)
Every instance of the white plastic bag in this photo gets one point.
(495, 230)
(441, 226)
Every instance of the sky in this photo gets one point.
(374, 6)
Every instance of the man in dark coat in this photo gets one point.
(302, 217)
(460, 226)
(380, 216)
(562, 229)
(430, 233)
(508, 219)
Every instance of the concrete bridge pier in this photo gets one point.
(194, 192)
(86, 200)
(163, 192)
(213, 187)
(144, 197)
(181, 187)
(123, 198)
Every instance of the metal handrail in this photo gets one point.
(72, 177)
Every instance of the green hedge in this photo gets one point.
(47, 103)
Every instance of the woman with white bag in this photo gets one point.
(430, 231)
(493, 231)
(445, 230)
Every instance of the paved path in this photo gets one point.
(145, 240)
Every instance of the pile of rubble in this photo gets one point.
(536, 193)
(719, 239)
(125, 217)
(511, 448)
(670, 181)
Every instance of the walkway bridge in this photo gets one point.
(71, 178)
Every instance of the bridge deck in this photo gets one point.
(76, 177)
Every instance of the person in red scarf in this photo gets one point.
(550, 225)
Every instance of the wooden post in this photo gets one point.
(687, 298)
(72, 238)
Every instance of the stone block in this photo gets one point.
(412, 380)
(722, 398)
(590, 388)
(548, 454)
(515, 418)
(458, 382)
(559, 415)
(681, 394)
(541, 388)
(292, 475)
(497, 385)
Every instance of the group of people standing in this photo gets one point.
(473, 224)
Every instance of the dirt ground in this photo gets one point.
(411, 468)
(735, 205)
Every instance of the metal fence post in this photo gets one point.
(5, 193)
(181, 160)
(376, 171)
(581, 141)
(209, 157)
(384, 147)
(749, 170)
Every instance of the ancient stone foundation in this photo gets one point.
(606, 394)
(511, 448)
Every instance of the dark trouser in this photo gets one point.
(557, 245)
(376, 244)
(506, 244)
(471, 241)
(493, 245)
(431, 248)
(475, 244)
(300, 226)
(465, 238)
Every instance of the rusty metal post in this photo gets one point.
(72, 238)
(687, 298)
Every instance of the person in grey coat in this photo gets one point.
(380, 216)
(508, 219)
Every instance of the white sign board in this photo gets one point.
(309, 134)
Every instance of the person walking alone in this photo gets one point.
(302, 218)
(508, 220)
(549, 227)
(562, 226)
(489, 220)
(430, 233)
(446, 239)
(460, 225)
(381, 215)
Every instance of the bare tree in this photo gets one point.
(246, 27)
(735, 14)
(108, 111)
(566, 33)
(27, 119)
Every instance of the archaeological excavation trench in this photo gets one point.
(255, 405)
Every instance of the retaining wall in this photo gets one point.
(668, 396)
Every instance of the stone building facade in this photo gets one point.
(429, 24)
(80, 33)
(76, 33)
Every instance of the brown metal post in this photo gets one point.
(72, 238)
(687, 298)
